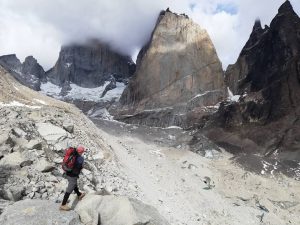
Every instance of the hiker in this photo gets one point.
(75, 159)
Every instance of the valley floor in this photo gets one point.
(176, 180)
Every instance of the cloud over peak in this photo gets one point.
(40, 27)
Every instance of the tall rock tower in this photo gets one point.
(178, 68)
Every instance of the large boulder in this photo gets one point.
(51, 133)
(113, 210)
(37, 212)
(12, 159)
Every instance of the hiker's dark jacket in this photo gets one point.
(77, 167)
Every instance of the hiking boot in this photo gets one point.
(81, 196)
(64, 208)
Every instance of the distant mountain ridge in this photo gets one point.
(83, 74)
(28, 73)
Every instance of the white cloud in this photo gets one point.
(40, 27)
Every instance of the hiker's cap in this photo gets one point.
(80, 149)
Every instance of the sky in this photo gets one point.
(41, 27)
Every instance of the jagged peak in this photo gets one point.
(9, 56)
(257, 25)
(286, 7)
(30, 58)
(163, 13)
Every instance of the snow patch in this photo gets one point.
(40, 101)
(114, 93)
(68, 65)
(171, 137)
(94, 94)
(102, 113)
(173, 127)
(231, 97)
(157, 153)
(18, 104)
(16, 88)
(202, 94)
(50, 89)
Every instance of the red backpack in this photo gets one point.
(69, 159)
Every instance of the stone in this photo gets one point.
(34, 144)
(19, 132)
(4, 204)
(51, 133)
(43, 165)
(44, 195)
(98, 156)
(31, 195)
(26, 163)
(34, 212)
(68, 126)
(37, 195)
(14, 193)
(12, 159)
(4, 136)
(113, 210)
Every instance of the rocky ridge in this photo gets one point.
(28, 73)
(265, 79)
(178, 74)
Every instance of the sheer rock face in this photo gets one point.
(179, 63)
(270, 63)
(89, 65)
(267, 76)
(29, 73)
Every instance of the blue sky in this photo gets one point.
(227, 8)
(30, 27)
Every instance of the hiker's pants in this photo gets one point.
(72, 183)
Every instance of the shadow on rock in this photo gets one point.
(4, 199)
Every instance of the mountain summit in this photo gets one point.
(89, 65)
